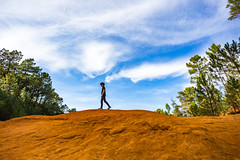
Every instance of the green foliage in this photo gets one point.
(233, 93)
(177, 109)
(219, 69)
(161, 111)
(234, 6)
(25, 89)
(167, 112)
(168, 108)
(215, 79)
(188, 99)
(72, 110)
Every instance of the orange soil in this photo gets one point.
(120, 135)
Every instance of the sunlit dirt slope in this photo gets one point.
(120, 135)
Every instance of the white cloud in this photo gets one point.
(96, 58)
(39, 29)
(183, 24)
(152, 21)
(127, 14)
(34, 43)
(91, 58)
(149, 71)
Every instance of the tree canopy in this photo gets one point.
(25, 89)
(234, 6)
(216, 85)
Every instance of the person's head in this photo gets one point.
(102, 84)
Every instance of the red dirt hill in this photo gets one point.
(119, 135)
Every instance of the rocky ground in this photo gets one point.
(120, 135)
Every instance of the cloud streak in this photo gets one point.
(63, 35)
(148, 71)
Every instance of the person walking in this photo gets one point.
(103, 96)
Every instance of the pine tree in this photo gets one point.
(234, 6)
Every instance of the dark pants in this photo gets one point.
(103, 98)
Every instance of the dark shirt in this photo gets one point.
(103, 89)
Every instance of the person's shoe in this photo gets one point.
(100, 108)
(109, 107)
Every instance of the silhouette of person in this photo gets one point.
(103, 96)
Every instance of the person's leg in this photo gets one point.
(101, 102)
(104, 98)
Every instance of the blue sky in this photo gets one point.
(138, 47)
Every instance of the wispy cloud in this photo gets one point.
(67, 34)
(96, 58)
(148, 71)
(90, 57)
(33, 42)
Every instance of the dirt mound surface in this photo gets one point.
(119, 135)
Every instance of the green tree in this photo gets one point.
(25, 89)
(234, 6)
(167, 112)
(177, 109)
(199, 71)
(193, 102)
(72, 110)
(224, 67)
(219, 69)
(233, 93)
(9, 61)
(231, 56)
(160, 111)
(168, 108)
